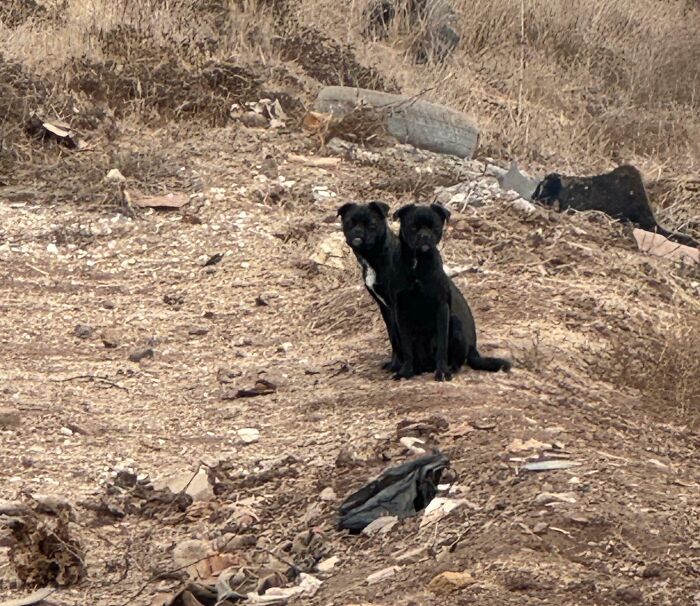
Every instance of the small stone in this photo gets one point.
(382, 575)
(327, 494)
(652, 571)
(328, 564)
(231, 543)
(115, 176)
(412, 555)
(447, 582)
(382, 524)
(629, 595)
(9, 417)
(210, 269)
(189, 551)
(545, 498)
(12, 508)
(248, 435)
(413, 444)
(109, 339)
(540, 528)
(49, 503)
(141, 354)
(52, 249)
(198, 331)
(83, 331)
(269, 168)
(253, 120)
(197, 487)
(65, 431)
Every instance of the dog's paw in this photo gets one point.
(405, 372)
(391, 365)
(443, 375)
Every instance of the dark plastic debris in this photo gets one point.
(401, 491)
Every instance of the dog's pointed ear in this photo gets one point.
(381, 207)
(441, 211)
(345, 208)
(399, 214)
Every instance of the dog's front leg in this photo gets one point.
(405, 343)
(443, 335)
(394, 364)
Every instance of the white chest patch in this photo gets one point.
(371, 280)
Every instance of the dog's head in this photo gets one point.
(422, 226)
(364, 225)
(548, 189)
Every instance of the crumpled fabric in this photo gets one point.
(400, 491)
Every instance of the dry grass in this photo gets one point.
(662, 361)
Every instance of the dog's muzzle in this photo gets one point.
(357, 242)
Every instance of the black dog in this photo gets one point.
(378, 252)
(436, 330)
(619, 193)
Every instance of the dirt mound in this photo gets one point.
(164, 88)
(329, 62)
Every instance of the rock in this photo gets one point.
(141, 353)
(231, 543)
(327, 494)
(52, 249)
(199, 488)
(328, 564)
(115, 176)
(83, 331)
(9, 417)
(253, 120)
(652, 571)
(382, 524)
(13, 508)
(447, 582)
(382, 575)
(248, 435)
(545, 498)
(518, 445)
(269, 168)
(412, 555)
(438, 508)
(64, 431)
(109, 339)
(413, 444)
(198, 331)
(189, 551)
(49, 503)
(540, 527)
(629, 595)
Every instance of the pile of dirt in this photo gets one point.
(161, 87)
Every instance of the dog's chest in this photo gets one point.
(371, 279)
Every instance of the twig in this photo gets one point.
(91, 378)
(521, 77)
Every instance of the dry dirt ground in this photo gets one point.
(557, 293)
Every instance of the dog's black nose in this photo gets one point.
(357, 242)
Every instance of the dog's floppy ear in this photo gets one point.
(549, 188)
(381, 207)
(345, 208)
(399, 214)
(441, 211)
